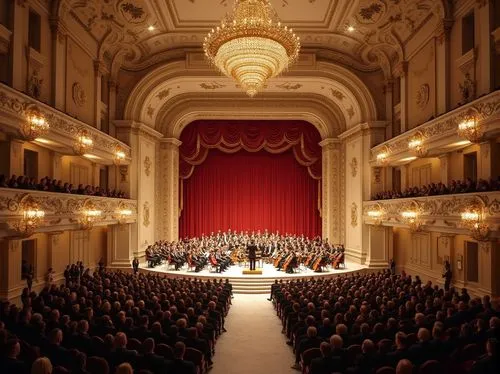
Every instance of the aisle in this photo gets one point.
(253, 343)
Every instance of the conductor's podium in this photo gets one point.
(247, 271)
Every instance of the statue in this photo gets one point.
(467, 89)
(35, 85)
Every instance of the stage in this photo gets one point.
(258, 284)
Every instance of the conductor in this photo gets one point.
(252, 254)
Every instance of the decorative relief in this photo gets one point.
(150, 111)
(145, 214)
(147, 166)
(289, 86)
(35, 85)
(211, 85)
(163, 93)
(354, 167)
(377, 173)
(79, 95)
(354, 215)
(423, 96)
(467, 89)
(123, 173)
(350, 112)
(337, 94)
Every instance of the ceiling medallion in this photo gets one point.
(251, 45)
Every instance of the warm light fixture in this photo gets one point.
(32, 217)
(84, 143)
(472, 220)
(151, 28)
(382, 158)
(410, 218)
(416, 145)
(376, 215)
(470, 129)
(119, 155)
(350, 28)
(35, 126)
(89, 218)
(251, 45)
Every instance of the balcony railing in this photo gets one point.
(62, 211)
(440, 135)
(64, 129)
(436, 213)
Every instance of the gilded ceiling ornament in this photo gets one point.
(211, 85)
(354, 167)
(147, 166)
(145, 212)
(350, 112)
(289, 86)
(354, 215)
(150, 111)
(163, 93)
(79, 95)
(423, 96)
(370, 12)
(337, 94)
(131, 12)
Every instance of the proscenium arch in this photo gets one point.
(336, 86)
(176, 115)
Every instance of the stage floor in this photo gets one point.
(268, 272)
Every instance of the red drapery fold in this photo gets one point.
(250, 191)
(254, 175)
(252, 136)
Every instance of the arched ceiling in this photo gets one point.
(344, 98)
(381, 27)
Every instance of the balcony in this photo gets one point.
(440, 135)
(436, 213)
(64, 129)
(62, 211)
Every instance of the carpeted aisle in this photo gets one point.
(254, 343)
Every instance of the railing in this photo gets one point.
(442, 212)
(441, 132)
(63, 128)
(62, 211)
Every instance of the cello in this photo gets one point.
(317, 263)
(338, 259)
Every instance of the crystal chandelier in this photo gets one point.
(470, 129)
(416, 145)
(472, 220)
(83, 143)
(376, 216)
(32, 217)
(251, 45)
(89, 218)
(35, 125)
(410, 218)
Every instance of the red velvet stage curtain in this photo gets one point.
(250, 191)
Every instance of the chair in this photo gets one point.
(97, 346)
(352, 352)
(386, 370)
(412, 339)
(134, 344)
(430, 367)
(307, 357)
(165, 351)
(97, 365)
(196, 357)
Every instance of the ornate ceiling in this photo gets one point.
(381, 27)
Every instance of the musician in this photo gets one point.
(252, 254)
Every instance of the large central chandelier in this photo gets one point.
(251, 45)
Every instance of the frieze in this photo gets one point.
(61, 208)
(13, 103)
(483, 108)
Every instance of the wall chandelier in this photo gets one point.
(376, 215)
(251, 45)
(411, 219)
(472, 220)
(416, 145)
(470, 129)
(123, 214)
(35, 126)
(89, 215)
(83, 143)
(32, 217)
(119, 155)
(382, 157)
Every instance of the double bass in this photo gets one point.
(317, 263)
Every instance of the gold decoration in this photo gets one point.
(376, 215)
(147, 166)
(473, 220)
(416, 145)
(119, 155)
(411, 219)
(32, 217)
(89, 215)
(354, 215)
(470, 129)
(145, 213)
(354, 167)
(35, 126)
(84, 142)
(251, 45)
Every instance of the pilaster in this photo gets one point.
(169, 188)
(488, 165)
(443, 32)
(10, 268)
(377, 253)
(16, 157)
(120, 249)
(58, 34)
(18, 43)
(444, 168)
(401, 71)
(330, 209)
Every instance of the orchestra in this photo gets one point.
(220, 250)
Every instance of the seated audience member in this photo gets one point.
(178, 365)
(404, 367)
(327, 363)
(149, 360)
(42, 365)
(124, 368)
(490, 362)
(121, 354)
(369, 360)
(9, 362)
(58, 355)
(311, 341)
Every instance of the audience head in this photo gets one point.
(124, 368)
(179, 350)
(42, 365)
(404, 367)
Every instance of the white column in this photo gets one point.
(330, 209)
(169, 188)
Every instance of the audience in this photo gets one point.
(433, 189)
(113, 322)
(386, 320)
(53, 185)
